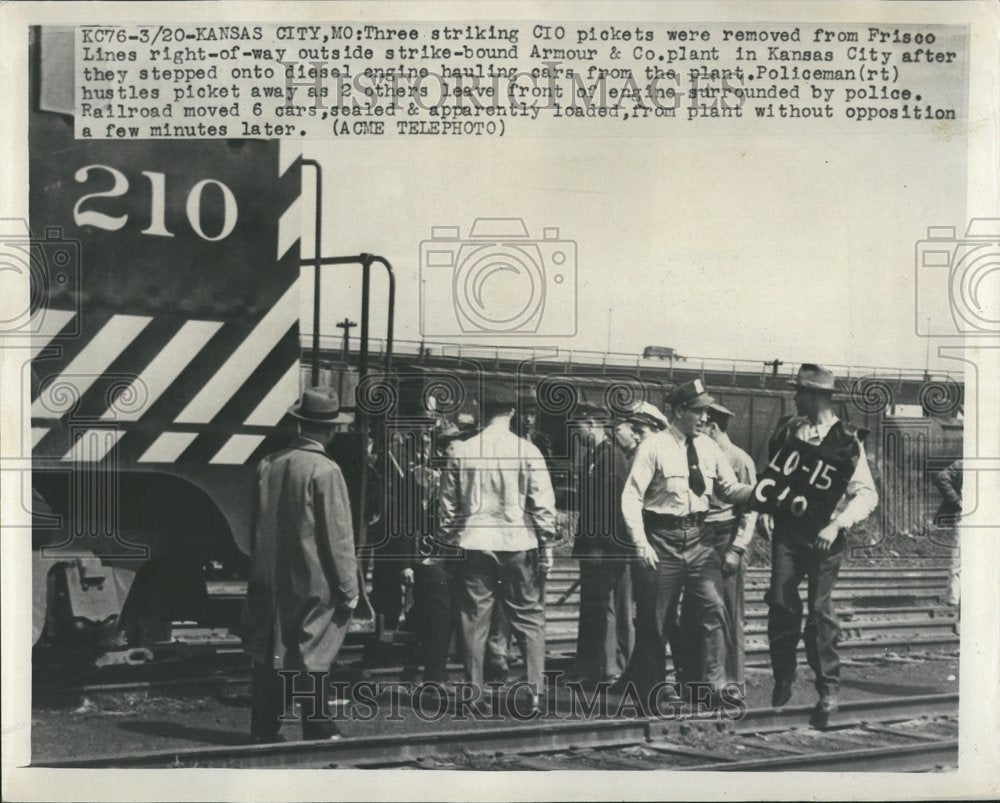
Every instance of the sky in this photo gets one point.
(797, 247)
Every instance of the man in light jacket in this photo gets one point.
(497, 505)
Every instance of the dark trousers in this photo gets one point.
(511, 580)
(685, 631)
(432, 618)
(689, 562)
(792, 559)
(267, 702)
(603, 643)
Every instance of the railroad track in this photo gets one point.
(888, 734)
(235, 679)
(902, 620)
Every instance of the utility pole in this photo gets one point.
(347, 324)
(608, 349)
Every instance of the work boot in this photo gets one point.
(825, 708)
(495, 672)
(782, 692)
(828, 702)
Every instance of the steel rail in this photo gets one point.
(545, 736)
(208, 685)
(895, 758)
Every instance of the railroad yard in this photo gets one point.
(189, 706)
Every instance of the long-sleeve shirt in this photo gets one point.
(658, 481)
(495, 493)
(746, 472)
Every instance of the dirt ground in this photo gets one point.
(143, 722)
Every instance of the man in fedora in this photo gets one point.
(665, 502)
(497, 505)
(303, 584)
(802, 546)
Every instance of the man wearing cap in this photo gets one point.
(732, 539)
(665, 502)
(647, 420)
(427, 574)
(497, 504)
(803, 548)
(605, 634)
(303, 583)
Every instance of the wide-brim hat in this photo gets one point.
(691, 395)
(814, 377)
(317, 404)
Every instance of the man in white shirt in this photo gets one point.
(497, 505)
(802, 548)
(665, 502)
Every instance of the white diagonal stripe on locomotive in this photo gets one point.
(116, 393)
(269, 412)
(60, 392)
(168, 447)
(234, 372)
(219, 267)
(162, 415)
(259, 381)
(163, 369)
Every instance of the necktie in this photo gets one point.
(696, 482)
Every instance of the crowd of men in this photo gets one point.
(662, 522)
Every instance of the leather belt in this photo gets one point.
(672, 522)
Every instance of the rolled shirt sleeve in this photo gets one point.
(727, 487)
(748, 518)
(861, 494)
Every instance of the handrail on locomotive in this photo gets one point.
(366, 261)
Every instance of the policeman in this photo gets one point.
(802, 548)
(647, 420)
(665, 502)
